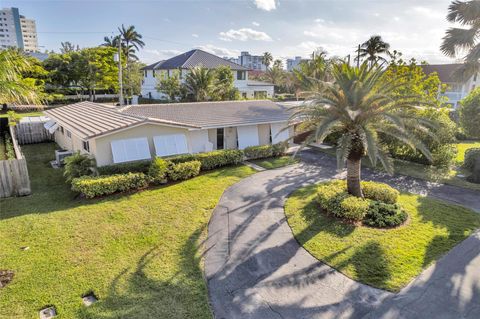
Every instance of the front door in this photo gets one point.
(220, 138)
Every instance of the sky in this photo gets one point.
(286, 28)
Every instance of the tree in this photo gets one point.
(278, 64)
(132, 39)
(458, 40)
(13, 87)
(198, 83)
(372, 49)
(67, 47)
(223, 88)
(267, 59)
(170, 86)
(360, 105)
(469, 112)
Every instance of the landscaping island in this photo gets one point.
(386, 258)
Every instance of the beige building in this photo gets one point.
(138, 132)
(17, 31)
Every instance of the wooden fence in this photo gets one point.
(14, 180)
(30, 130)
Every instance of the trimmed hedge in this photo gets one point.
(384, 215)
(471, 156)
(124, 168)
(211, 160)
(380, 192)
(106, 185)
(183, 171)
(158, 171)
(265, 151)
(377, 209)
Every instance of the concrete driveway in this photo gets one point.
(256, 269)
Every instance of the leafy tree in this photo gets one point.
(198, 83)
(372, 50)
(133, 78)
(170, 86)
(457, 40)
(275, 75)
(223, 88)
(14, 88)
(278, 64)
(67, 47)
(267, 59)
(360, 105)
(469, 112)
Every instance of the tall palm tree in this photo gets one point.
(372, 49)
(199, 83)
(131, 38)
(13, 88)
(267, 59)
(360, 103)
(111, 41)
(464, 40)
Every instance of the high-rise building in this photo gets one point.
(17, 31)
(294, 63)
(251, 62)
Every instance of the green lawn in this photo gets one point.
(462, 147)
(387, 259)
(275, 162)
(38, 113)
(140, 253)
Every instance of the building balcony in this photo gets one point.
(454, 97)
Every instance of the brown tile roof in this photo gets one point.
(445, 71)
(214, 114)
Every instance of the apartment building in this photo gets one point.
(294, 63)
(251, 62)
(17, 31)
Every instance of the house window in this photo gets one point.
(130, 150)
(166, 145)
(220, 138)
(145, 73)
(86, 146)
(241, 75)
(260, 94)
(153, 71)
(69, 135)
(61, 130)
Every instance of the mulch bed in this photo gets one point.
(5, 277)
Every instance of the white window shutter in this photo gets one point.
(130, 150)
(166, 145)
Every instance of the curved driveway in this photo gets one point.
(256, 269)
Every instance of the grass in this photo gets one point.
(140, 253)
(275, 162)
(386, 259)
(3, 150)
(21, 115)
(462, 148)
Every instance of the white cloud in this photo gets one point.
(194, 35)
(267, 5)
(256, 23)
(244, 34)
(319, 20)
(429, 13)
(218, 50)
(154, 55)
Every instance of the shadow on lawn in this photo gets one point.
(139, 294)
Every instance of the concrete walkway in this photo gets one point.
(256, 269)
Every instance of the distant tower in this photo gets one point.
(17, 31)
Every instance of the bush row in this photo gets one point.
(378, 208)
(265, 151)
(123, 168)
(211, 160)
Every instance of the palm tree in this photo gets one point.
(111, 41)
(360, 103)
(267, 59)
(372, 50)
(460, 40)
(199, 83)
(13, 88)
(131, 38)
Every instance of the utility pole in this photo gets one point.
(120, 76)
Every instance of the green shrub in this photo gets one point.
(211, 160)
(471, 156)
(255, 152)
(469, 114)
(78, 165)
(124, 168)
(9, 150)
(384, 215)
(380, 192)
(265, 151)
(353, 208)
(183, 171)
(106, 185)
(326, 193)
(158, 171)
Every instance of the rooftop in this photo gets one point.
(445, 71)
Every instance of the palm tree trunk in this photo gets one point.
(354, 164)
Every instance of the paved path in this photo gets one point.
(256, 269)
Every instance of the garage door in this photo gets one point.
(166, 145)
(277, 134)
(133, 149)
(247, 136)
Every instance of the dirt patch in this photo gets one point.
(5, 277)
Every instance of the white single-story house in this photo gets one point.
(180, 65)
(138, 132)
